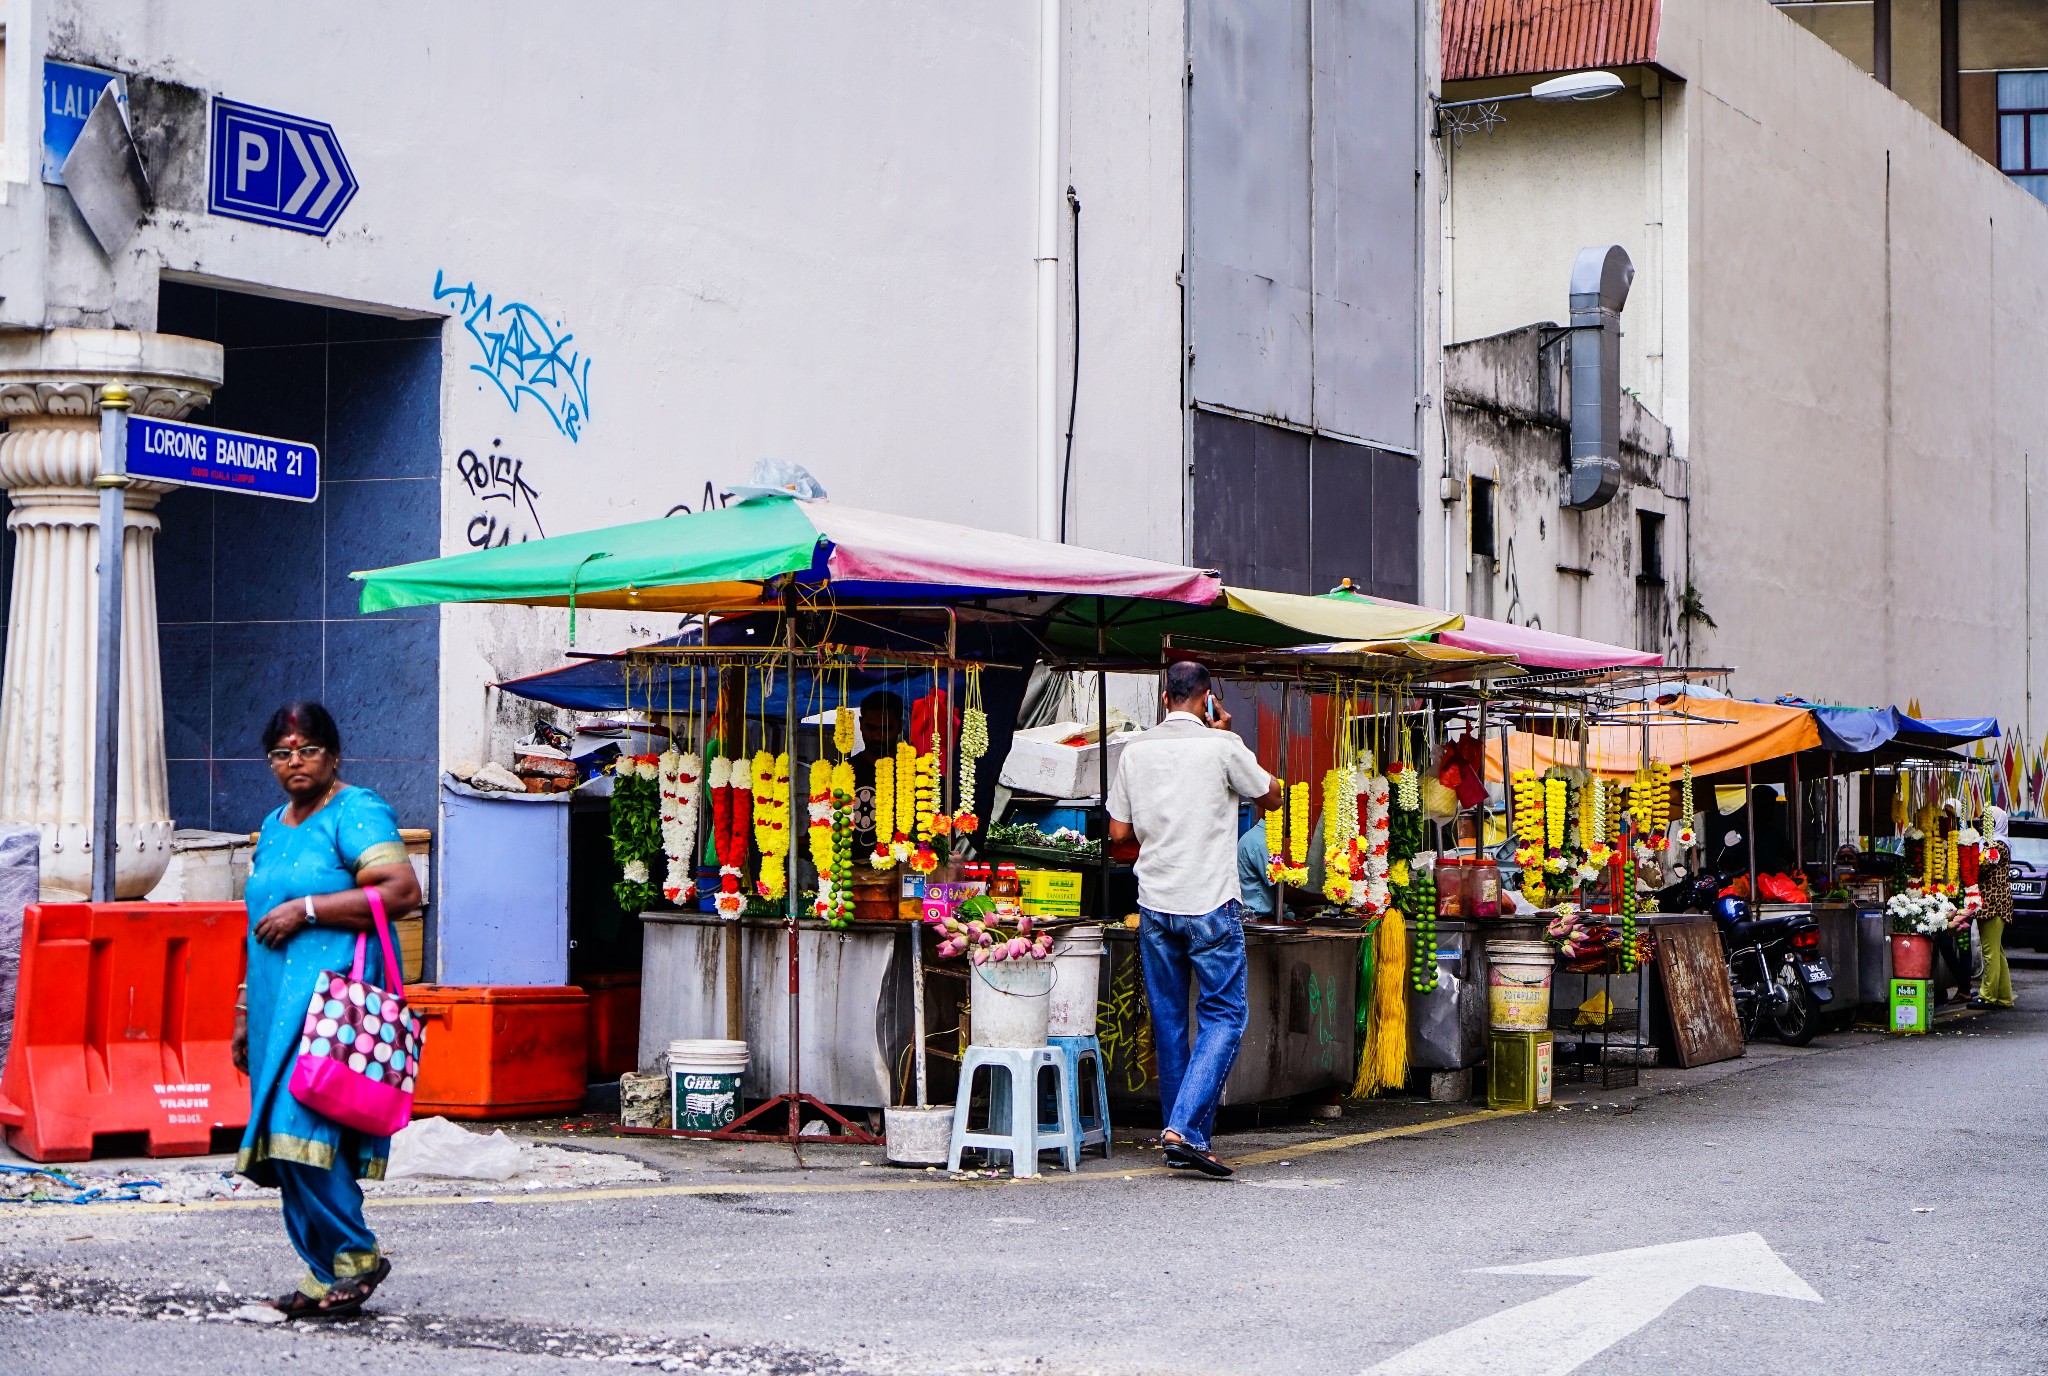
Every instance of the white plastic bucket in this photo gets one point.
(1012, 1002)
(704, 1083)
(919, 1136)
(1077, 956)
(1518, 985)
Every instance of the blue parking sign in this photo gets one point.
(277, 169)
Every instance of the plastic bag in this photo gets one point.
(435, 1146)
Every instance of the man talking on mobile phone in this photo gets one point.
(1177, 790)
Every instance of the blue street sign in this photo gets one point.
(69, 93)
(170, 451)
(277, 169)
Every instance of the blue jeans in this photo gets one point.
(1209, 949)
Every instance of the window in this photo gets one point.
(1650, 547)
(1481, 516)
(2023, 129)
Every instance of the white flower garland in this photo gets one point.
(1378, 804)
(680, 808)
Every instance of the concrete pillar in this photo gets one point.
(50, 385)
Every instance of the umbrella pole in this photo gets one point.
(1798, 821)
(1479, 823)
(1102, 762)
(792, 892)
(1749, 825)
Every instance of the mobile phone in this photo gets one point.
(1209, 710)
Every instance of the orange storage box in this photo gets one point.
(500, 1050)
(614, 1022)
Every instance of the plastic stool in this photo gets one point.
(1093, 1128)
(1012, 1104)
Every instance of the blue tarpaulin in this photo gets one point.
(1859, 730)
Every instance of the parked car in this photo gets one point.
(2029, 884)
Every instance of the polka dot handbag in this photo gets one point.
(360, 1051)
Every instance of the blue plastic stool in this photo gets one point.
(1013, 1124)
(1093, 1129)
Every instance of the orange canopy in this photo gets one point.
(1738, 733)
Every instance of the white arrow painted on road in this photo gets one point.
(1624, 1292)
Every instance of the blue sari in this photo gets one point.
(315, 1161)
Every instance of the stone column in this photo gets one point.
(50, 385)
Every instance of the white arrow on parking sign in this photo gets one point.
(1624, 1291)
(312, 174)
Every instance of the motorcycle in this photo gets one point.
(1780, 979)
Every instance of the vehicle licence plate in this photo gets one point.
(1817, 970)
(2032, 890)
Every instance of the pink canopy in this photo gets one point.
(1537, 649)
(880, 547)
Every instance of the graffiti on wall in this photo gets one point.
(523, 355)
(506, 503)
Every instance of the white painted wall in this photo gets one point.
(800, 229)
(1854, 372)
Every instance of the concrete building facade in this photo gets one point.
(565, 293)
(1836, 316)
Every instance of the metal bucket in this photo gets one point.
(1077, 956)
(1013, 1002)
(1518, 985)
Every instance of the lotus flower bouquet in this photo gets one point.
(973, 931)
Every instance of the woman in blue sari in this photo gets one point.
(314, 858)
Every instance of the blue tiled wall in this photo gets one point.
(253, 595)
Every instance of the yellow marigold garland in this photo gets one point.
(884, 856)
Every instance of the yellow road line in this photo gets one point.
(744, 1186)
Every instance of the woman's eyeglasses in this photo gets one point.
(311, 754)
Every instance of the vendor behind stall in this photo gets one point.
(1257, 890)
(881, 727)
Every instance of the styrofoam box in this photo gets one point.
(1039, 764)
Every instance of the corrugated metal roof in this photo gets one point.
(1483, 38)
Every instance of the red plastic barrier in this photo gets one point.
(123, 1022)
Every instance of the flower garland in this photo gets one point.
(884, 857)
(771, 824)
(925, 794)
(1340, 831)
(1276, 837)
(730, 831)
(1297, 834)
(1686, 836)
(818, 811)
(900, 843)
(678, 776)
(1377, 839)
(636, 830)
(973, 745)
(842, 730)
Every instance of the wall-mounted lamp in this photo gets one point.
(1451, 119)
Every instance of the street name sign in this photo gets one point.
(69, 93)
(171, 451)
(277, 169)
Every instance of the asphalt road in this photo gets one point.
(1899, 1179)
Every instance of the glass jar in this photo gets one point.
(1008, 893)
(1482, 887)
(1450, 887)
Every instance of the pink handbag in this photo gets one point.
(361, 1047)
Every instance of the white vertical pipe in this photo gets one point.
(1047, 262)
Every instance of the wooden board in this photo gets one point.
(1694, 972)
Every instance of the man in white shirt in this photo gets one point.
(1177, 790)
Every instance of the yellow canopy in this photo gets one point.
(1341, 618)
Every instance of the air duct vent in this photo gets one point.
(1600, 283)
